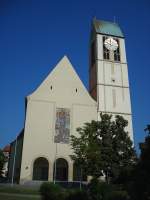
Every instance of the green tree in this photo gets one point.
(103, 147)
(2, 161)
(142, 170)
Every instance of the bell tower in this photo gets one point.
(108, 71)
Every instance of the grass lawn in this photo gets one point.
(19, 189)
(17, 197)
(18, 192)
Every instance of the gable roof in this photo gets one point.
(6, 148)
(63, 81)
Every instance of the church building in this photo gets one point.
(61, 104)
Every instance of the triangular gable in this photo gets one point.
(63, 80)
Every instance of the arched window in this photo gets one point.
(61, 167)
(78, 173)
(40, 169)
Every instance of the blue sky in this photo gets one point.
(34, 35)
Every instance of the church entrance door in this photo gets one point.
(40, 169)
(61, 167)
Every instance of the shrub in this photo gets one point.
(119, 195)
(50, 191)
(99, 190)
(77, 195)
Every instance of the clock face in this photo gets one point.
(111, 44)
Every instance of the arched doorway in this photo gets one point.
(78, 173)
(40, 169)
(61, 167)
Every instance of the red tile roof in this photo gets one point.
(6, 148)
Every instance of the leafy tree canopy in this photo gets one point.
(2, 161)
(103, 147)
(142, 170)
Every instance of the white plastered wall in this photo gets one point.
(61, 89)
(113, 84)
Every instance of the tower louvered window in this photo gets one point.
(117, 53)
(111, 55)
(105, 50)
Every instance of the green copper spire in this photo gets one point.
(107, 28)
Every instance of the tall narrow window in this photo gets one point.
(112, 69)
(123, 95)
(117, 52)
(105, 50)
(114, 97)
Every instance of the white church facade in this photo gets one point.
(61, 104)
